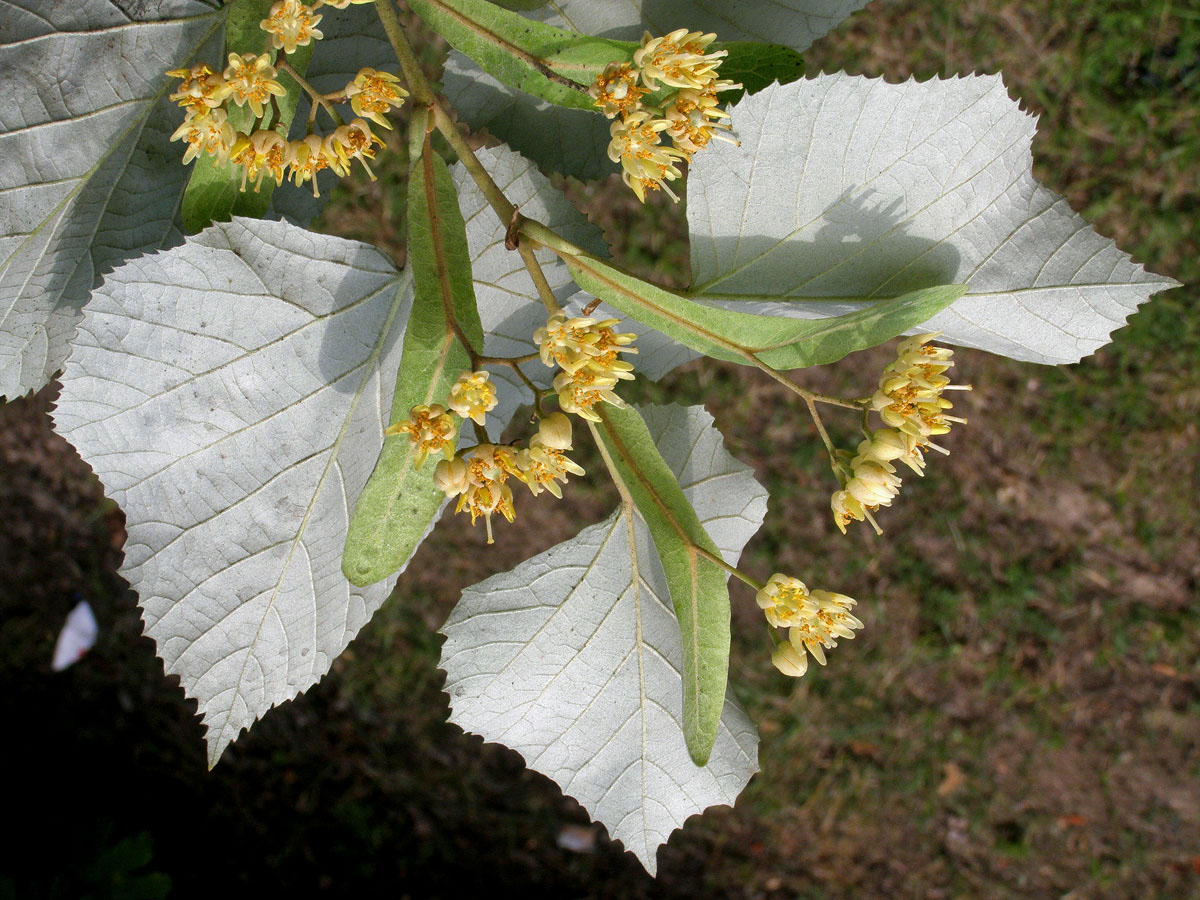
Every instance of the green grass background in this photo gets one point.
(1020, 717)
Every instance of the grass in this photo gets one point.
(1020, 718)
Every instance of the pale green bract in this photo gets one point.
(573, 658)
(572, 141)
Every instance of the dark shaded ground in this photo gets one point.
(1019, 719)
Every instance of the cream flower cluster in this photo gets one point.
(587, 351)
(814, 621)
(479, 476)
(432, 429)
(679, 67)
(909, 401)
(251, 80)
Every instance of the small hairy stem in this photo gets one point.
(816, 417)
(481, 434)
(423, 95)
(536, 231)
(622, 489)
(491, 191)
(512, 361)
(732, 570)
(538, 394)
(807, 395)
(418, 86)
(539, 278)
(284, 66)
(773, 633)
(523, 55)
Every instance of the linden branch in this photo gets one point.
(423, 95)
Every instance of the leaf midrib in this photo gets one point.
(335, 447)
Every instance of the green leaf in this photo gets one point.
(229, 394)
(232, 394)
(550, 63)
(792, 23)
(573, 659)
(399, 504)
(857, 188)
(755, 65)
(214, 191)
(775, 340)
(88, 175)
(696, 582)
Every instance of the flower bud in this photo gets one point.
(450, 477)
(788, 660)
(554, 432)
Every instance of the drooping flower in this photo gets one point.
(197, 92)
(291, 24)
(605, 360)
(832, 620)
(890, 445)
(910, 391)
(450, 477)
(588, 352)
(545, 461)
(305, 158)
(645, 163)
(473, 396)
(909, 401)
(785, 601)
(846, 509)
(554, 432)
(814, 619)
(565, 342)
(487, 468)
(430, 429)
(372, 94)
(350, 142)
(615, 91)
(868, 483)
(572, 343)
(678, 60)
(696, 117)
(788, 660)
(875, 483)
(260, 154)
(249, 80)
(208, 132)
(579, 392)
